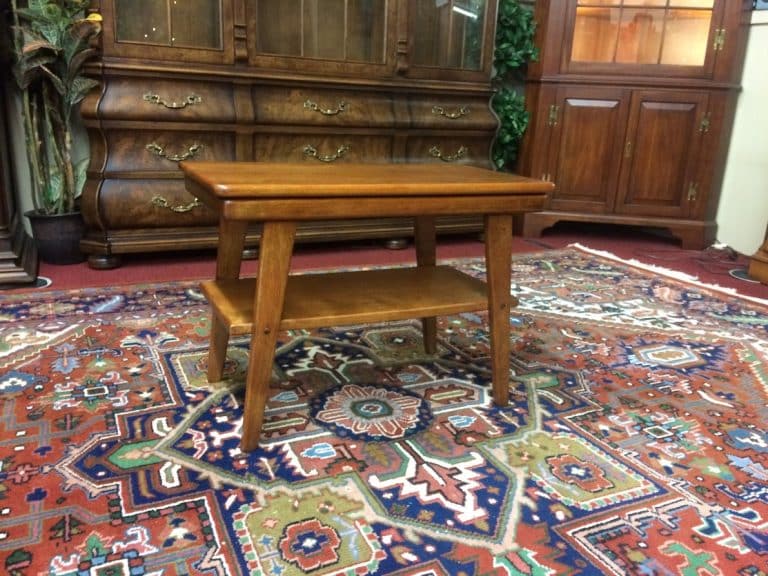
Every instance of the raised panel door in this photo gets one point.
(664, 137)
(587, 125)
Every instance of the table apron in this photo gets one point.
(326, 208)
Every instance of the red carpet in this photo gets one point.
(634, 443)
(627, 243)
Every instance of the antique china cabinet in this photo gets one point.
(276, 80)
(632, 103)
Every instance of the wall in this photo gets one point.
(743, 211)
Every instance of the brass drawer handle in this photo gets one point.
(162, 202)
(437, 153)
(310, 150)
(461, 111)
(158, 150)
(190, 100)
(342, 106)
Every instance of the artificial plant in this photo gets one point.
(515, 29)
(51, 42)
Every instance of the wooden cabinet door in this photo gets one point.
(585, 149)
(661, 151)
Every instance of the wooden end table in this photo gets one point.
(281, 194)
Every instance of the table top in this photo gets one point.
(260, 180)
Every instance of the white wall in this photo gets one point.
(743, 211)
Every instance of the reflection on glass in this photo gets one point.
(192, 23)
(595, 34)
(448, 33)
(349, 30)
(640, 36)
(672, 32)
(685, 41)
(143, 21)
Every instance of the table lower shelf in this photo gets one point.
(362, 296)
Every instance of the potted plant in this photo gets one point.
(51, 42)
(514, 49)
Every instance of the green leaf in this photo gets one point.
(514, 48)
(51, 43)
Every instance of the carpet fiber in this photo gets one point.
(635, 442)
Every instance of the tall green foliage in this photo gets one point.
(51, 43)
(515, 29)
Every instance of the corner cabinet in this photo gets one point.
(280, 80)
(632, 103)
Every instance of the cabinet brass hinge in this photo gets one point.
(693, 191)
(705, 123)
(554, 112)
(719, 41)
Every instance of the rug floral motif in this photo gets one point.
(635, 441)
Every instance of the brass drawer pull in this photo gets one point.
(462, 111)
(310, 150)
(162, 202)
(309, 105)
(190, 100)
(437, 153)
(158, 150)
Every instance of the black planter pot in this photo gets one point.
(57, 236)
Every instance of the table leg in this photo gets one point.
(424, 236)
(498, 261)
(228, 258)
(274, 264)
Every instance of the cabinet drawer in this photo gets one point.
(167, 100)
(322, 107)
(450, 149)
(162, 150)
(322, 147)
(150, 204)
(448, 112)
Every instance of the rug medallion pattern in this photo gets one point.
(635, 441)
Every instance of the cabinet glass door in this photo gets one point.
(450, 39)
(177, 30)
(172, 23)
(642, 32)
(337, 30)
(448, 33)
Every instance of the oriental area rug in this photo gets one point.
(635, 442)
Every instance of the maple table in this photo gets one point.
(279, 195)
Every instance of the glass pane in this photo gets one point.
(595, 34)
(350, 30)
(324, 29)
(692, 4)
(143, 21)
(448, 33)
(672, 32)
(685, 40)
(366, 30)
(640, 36)
(645, 3)
(196, 23)
(278, 27)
